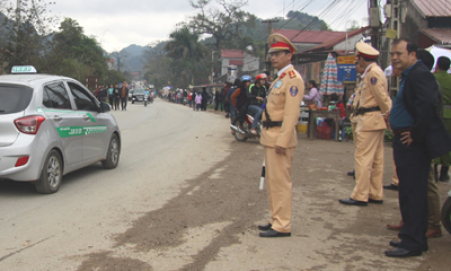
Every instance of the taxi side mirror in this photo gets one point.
(104, 107)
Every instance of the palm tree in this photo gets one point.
(187, 54)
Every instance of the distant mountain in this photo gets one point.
(131, 57)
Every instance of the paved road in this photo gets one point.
(185, 197)
(162, 146)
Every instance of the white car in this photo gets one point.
(51, 125)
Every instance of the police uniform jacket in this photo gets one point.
(352, 117)
(283, 104)
(372, 93)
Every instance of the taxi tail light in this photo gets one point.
(22, 161)
(29, 125)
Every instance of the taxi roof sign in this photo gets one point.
(23, 69)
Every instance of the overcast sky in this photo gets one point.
(119, 23)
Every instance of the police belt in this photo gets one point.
(271, 124)
(364, 110)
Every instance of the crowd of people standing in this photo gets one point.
(117, 94)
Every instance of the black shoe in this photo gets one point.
(394, 243)
(375, 201)
(273, 233)
(351, 173)
(391, 187)
(353, 202)
(402, 253)
(266, 227)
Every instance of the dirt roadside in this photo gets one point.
(211, 224)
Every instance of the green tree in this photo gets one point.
(76, 55)
(187, 56)
(25, 31)
(157, 65)
(225, 25)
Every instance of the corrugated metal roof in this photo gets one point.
(434, 8)
(331, 43)
(308, 36)
(236, 62)
(232, 53)
(439, 35)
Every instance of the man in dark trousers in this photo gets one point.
(124, 95)
(419, 136)
(205, 95)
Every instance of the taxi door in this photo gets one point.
(58, 109)
(95, 139)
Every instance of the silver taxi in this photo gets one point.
(51, 125)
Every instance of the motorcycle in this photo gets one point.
(151, 99)
(446, 213)
(145, 100)
(243, 133)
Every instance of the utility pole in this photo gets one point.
(269, 22)
(392, 12)
(375, 23)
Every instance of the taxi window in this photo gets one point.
(81, 98)
(55, 96)
(14, 99)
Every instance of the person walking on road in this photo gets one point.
(279, 138)
(110, 96)
(372, 104)
(204, 99)
(124, 95)
(225, 100)
(198, 101)
(117, 97)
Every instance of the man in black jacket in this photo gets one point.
(419, 136)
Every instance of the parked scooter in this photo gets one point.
(145, 99)
(446, 213)
(242, 134)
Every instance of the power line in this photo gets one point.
(328, 8)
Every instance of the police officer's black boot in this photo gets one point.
(444, 177)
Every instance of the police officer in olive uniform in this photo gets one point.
(280, 116)
(371, 108)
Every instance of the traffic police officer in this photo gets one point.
(279, 137)
(373, 104)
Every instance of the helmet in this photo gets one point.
(245, 78)
(261, 76)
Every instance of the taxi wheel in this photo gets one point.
(112, 156)
(50, 180)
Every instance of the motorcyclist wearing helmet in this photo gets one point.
(256, 95)
(146, 92)
(240, 98)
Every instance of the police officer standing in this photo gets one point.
(279, 136)
(372, 106)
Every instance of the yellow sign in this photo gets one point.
(346, 59)
(391, 34)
